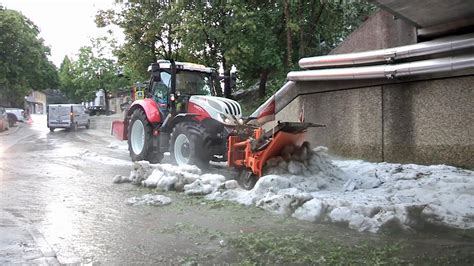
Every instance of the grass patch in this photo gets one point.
(178, 227)
(269, 248)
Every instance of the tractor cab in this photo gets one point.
(173, 83)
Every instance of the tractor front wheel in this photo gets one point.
(140, 143)
(187, 145)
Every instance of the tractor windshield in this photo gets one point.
(187, 83)
(193, 83)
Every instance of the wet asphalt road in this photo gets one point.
(54, 189)
(58, 205)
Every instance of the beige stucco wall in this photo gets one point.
(425, 122)
(430, 122)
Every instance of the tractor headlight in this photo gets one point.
(227, 120)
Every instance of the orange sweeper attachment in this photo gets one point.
(249, 154)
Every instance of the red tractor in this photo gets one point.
(179, 114)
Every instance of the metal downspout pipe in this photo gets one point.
(386, 71)
(441, 45)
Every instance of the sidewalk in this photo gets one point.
(11, 130)
(21, 242)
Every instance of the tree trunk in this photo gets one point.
(213, 55)
(170, 41)
(106, 100)
(218, 88)
(301, 28)
(153, 51)
(317, 17)
(289, 49)
(227, 88)
(262, 87)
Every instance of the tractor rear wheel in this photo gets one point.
(140, 142)
(187, 145)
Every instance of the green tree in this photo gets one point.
(263, 53)
(258, 37)
(66, 80)
(210, 35)
(150, 29)
(89, 73)
(24, 64)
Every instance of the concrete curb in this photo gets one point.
(22, 223)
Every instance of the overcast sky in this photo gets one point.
(65, 25)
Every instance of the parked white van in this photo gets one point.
(69, 116)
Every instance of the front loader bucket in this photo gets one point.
(119, 130)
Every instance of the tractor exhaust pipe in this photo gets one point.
(173, 86)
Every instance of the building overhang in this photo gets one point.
(432, 17)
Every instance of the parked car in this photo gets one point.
(3, 119)
(96, 110)
(70, 116)
(15, 115)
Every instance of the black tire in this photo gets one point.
(247, 179)
(12, 119)
(196, 152)
(88, 125)
(51, 129)
(146, 153)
